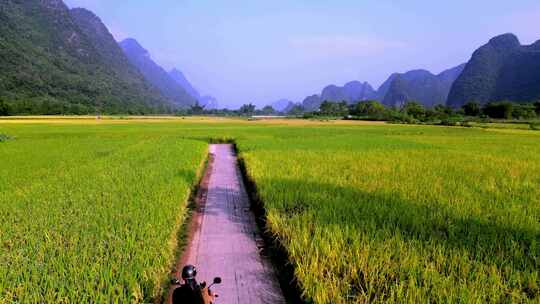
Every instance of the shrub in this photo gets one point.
(537, 107)
(329, 108)
(443, 110)
(523, 111)
(308, 115)
(414, 109)
(4, 108)
(455, 120)
(499, 110)
(472, 109)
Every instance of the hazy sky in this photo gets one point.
(260, 51)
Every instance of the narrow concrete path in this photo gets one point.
(227, 242)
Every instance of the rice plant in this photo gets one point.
(91, 214)
(368, 213)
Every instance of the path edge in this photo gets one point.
(275, 251)
(192, 225)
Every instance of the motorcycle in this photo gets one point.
(191, 292)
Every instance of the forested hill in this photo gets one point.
(416, 85)
(51, 66)
(503, 69)
(114, 58)
(351, 92)
(155, 74)
(181, 79)
(419, 85)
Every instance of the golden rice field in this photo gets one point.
(367, 212)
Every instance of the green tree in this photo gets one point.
(537, 107)
(501, 110)
(296, 110)
(443, 109)
(370, 108)
(523, 111)
(472, 109)
(268, 110)
(196, 109)
(414, 109)
(329, 108)
(326, 107)
(247, 109)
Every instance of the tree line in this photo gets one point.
(410, 112)
(415, 112)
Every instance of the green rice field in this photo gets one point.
(368, 212)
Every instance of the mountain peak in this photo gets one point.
(536, 45)
(420, 85)
(501, 70)
(354, 83)
(82, 10)
(54, 4)
(132, 46)
(418, 73)
(506, 41)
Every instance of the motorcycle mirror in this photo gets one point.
(217, 280)
(175, 281)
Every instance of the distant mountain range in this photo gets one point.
(155, 74)
(59, 61)
(417, 85)
(312, 103)
(54, 61)
(503, 69)
(282, 104)
(208, 102)
(421, 86)
(180, 79)
(351, 92)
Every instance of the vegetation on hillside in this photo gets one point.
(50, 66)
(155, 74)
(503, 69)
(421, 86)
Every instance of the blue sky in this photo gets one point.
(260, 51)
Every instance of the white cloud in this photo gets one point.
(343, 46)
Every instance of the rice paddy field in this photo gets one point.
(368, 212)
(90, 213)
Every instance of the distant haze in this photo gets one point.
(260, 52)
